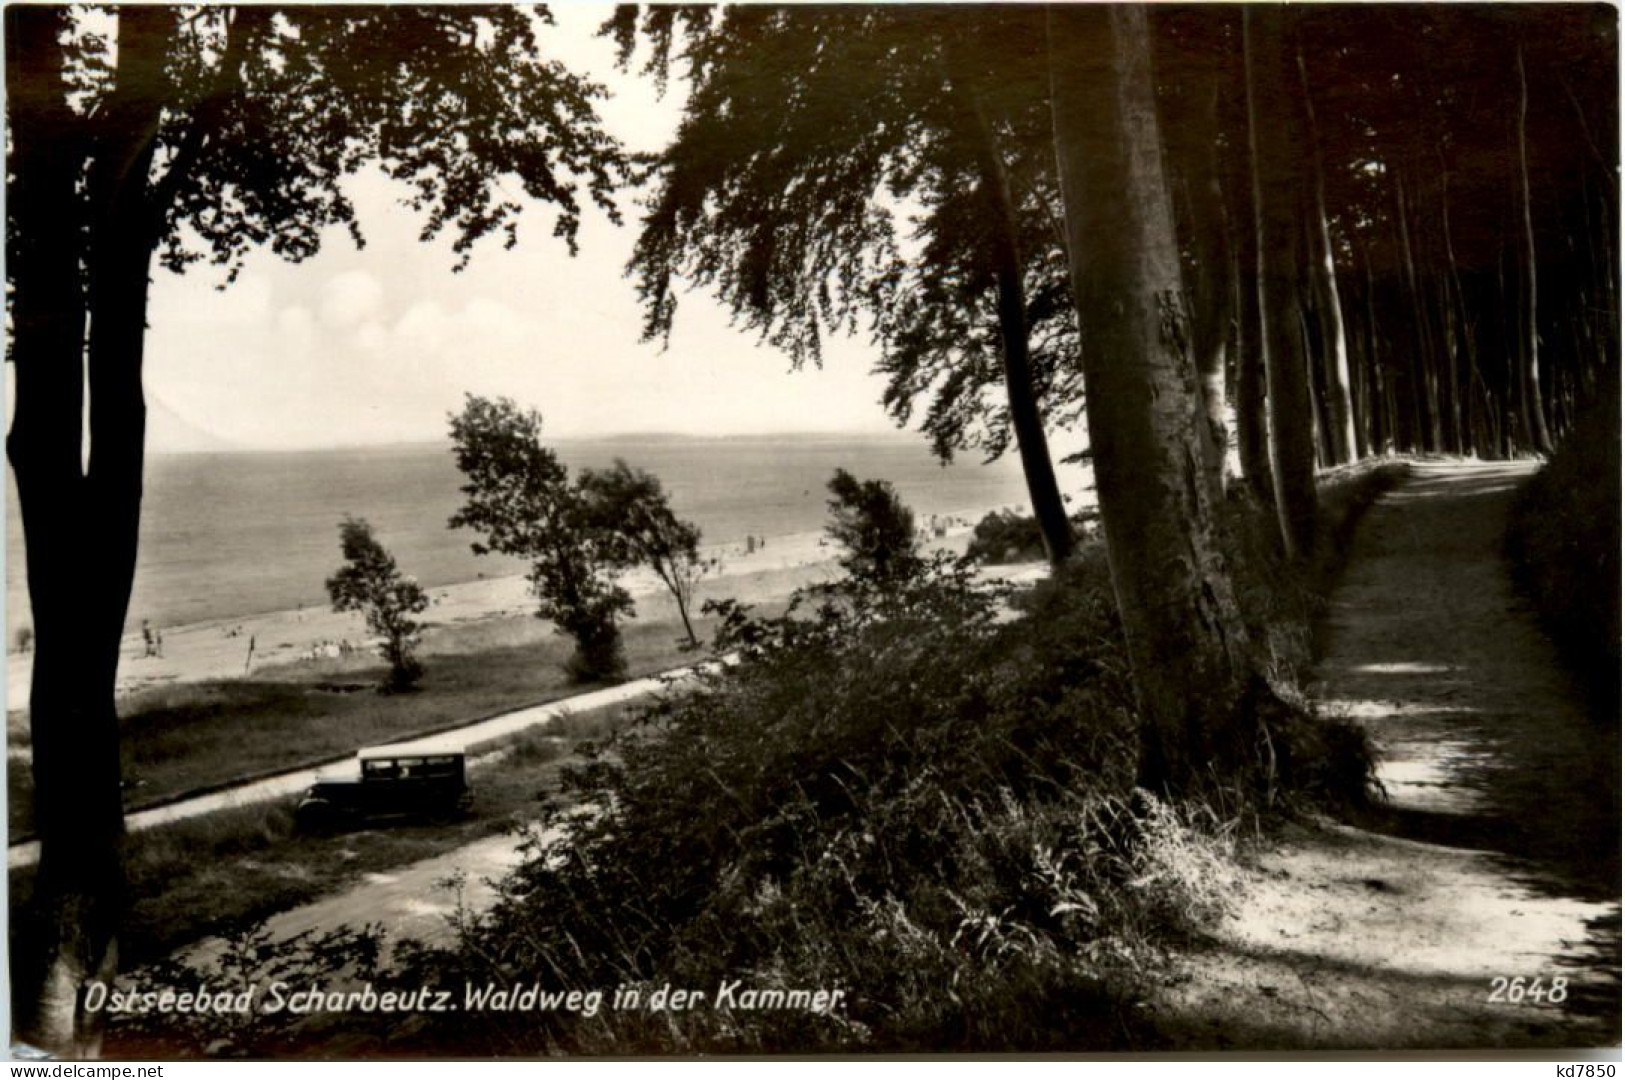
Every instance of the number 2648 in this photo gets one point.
(1519, 989)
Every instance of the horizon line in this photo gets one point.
(627, 436)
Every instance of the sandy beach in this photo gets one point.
(220, 649)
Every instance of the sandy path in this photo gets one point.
(417, 901)
(1498, 854)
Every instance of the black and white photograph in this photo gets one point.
(803, 530)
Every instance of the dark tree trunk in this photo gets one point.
(1460, 314)
(1211, 315)
(1419, 367)
(68, 931)
(1180, 618)
(1341, 440)
(1360, 352)
(1026, 419)
(1532, 403)
(80, 523)
(1252, 417)
(1315, 353)
(1275, 139)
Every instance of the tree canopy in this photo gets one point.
(518, 495)
(371, 583)
(199, 133)
(849, 169)
(629, 510)
(870, 520)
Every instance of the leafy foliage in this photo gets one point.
(896, 792)
(629, 510)
(272, 107)
(371, 583)
(518, 495)
(869, 519)
(1564, 543)
(1006, 537)
(809, 135)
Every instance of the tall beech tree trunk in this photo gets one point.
(1460, 314)
(80, 520)
(1252, 403)
(1420, 366)
(1275, 138)
(1180, 617)
(1249, 400)
(1315, 354)
(1340, 439)
(1026, 420)
(1379, 417)
(1211, 315)
(1532, 404)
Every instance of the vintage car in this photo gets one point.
(421, 779)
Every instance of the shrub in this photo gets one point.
(899, 792)
(869, 520)
(1563, 540)
(370, 582)
(1004, 536)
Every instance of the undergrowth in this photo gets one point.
(1563, 540)
(923, 796)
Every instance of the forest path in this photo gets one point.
(1496, 854)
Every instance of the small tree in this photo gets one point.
(370, 582)
(877, 530)
(519, 495)
(631, 510)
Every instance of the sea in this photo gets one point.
(230, 534)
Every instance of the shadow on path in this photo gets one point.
(1497, 852)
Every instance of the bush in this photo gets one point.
(898, 792)
(1004, 536)
(1563, 540)
(370, 582)
(869, 520)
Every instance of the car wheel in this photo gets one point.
(317, 817)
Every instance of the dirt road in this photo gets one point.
(417, 901)
(1497, 857)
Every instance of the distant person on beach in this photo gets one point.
(250, 660)
(146, 638)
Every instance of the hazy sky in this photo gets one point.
(379, 345)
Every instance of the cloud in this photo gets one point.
(351, 298)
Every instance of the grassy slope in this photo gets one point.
(196, 735)
(231, 869)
